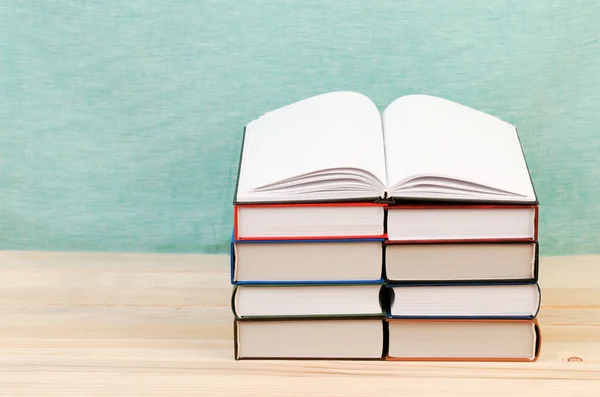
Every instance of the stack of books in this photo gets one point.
(407, 235)
(463, 282)
(302, 288)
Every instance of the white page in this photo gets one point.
(429, 136)
(473, 300)
(334, 130)
(308, 300)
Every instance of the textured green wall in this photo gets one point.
(120, 121)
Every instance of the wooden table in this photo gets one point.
(148, 325)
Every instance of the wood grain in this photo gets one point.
(146, 325)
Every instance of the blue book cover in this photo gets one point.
(233, 260)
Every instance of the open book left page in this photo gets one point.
(325, 148)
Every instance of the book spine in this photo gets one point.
(539, 306)
(383, 257)
(232, 260)
(236, 210)
(536, 263)
(536, 223)
(236, 340)
(386, 340)
(538, 339)
(233, 299)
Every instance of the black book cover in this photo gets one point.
(534, 279)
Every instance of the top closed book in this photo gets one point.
(339, 147)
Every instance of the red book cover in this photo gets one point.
(316, 236)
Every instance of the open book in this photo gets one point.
(338, 146)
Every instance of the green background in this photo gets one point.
(120, 121)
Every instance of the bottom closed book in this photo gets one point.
(337, 339)
(464, 340)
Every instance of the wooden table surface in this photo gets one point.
(152, 325)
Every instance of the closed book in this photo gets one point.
(310, 339)
(456, 301)
(309, 221)
(464, 340)
(309, 301)
(462, 223)
(476, 262)
(307, 261)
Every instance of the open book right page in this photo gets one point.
(438, 149)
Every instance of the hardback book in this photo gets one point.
(494, 301)
(296, 301)
(464, 340)
(309, 221)
(307, 261)
(459, 223)
(338, 146)
(339, 339)
(462, 262)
